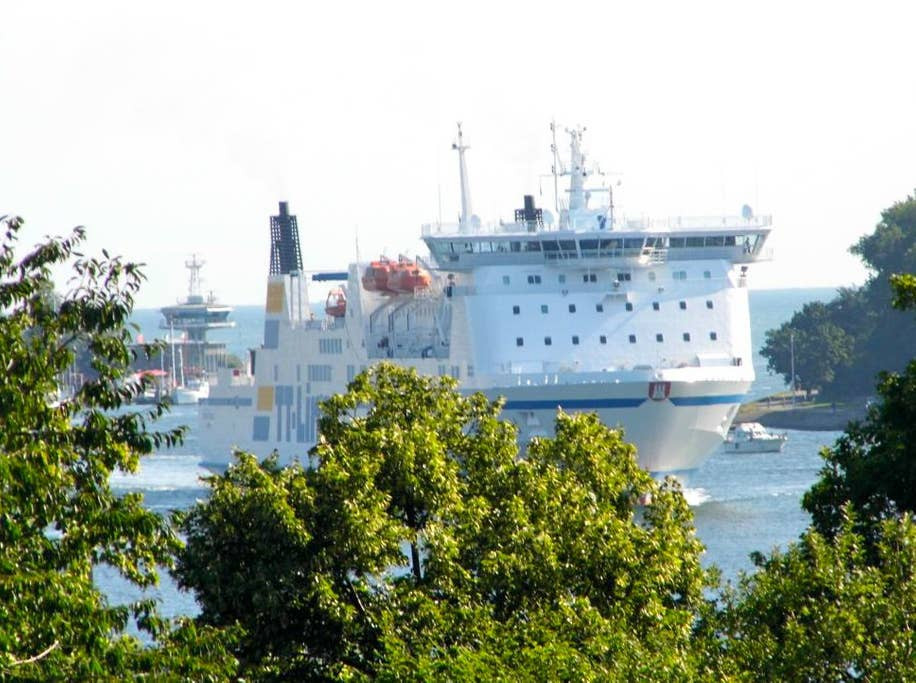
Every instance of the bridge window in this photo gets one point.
(629, 306)
(547, 341)
(572, 308)
(632, 338)
(624, 277)
(659, 337)
(575, 340)
(709, 303)
(682, 305)
(602, 339)
(516, 310)
(686, 336)
(544, 308)
(589, 277)
(505, 279)
(713, 336)
(534, 279)
(655, 306)
(519, 341)
(707, 274)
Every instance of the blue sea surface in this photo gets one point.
(741, 502)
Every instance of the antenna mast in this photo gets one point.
(554, 169)
(459, 146)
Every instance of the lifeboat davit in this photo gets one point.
(336, 305)
(375, 277)
(407, 276)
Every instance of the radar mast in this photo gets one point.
(464, 222)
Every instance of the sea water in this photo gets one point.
(742, 502)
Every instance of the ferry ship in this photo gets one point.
(644, 322)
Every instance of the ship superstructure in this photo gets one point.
(644, 322)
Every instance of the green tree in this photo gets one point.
(891, 248)
(873, 465)
(58, 516)
(841, 346)
(821, 346)
(823, 611)
(424, 546)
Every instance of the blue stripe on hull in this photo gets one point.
(593, 403)
(706, 400)
(576, 404)
(234, 401)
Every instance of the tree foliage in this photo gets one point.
(423, 546)
(873, 464)
(825, 611)
(840, 346)
(58, 516)
(821, 347)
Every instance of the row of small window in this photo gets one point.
(602, 339)
(621, 277)
(330, 346)
(599, 308)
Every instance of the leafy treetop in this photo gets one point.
(58, 515)
(424, 545)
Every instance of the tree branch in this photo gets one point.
(41, 655)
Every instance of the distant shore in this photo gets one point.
(780, 412)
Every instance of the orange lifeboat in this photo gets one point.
(336, 305)
(407, 276)
(375, 277)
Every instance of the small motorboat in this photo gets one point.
(190, 392)
(753, 437)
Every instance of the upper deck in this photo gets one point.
(642, 242)
(590, 236)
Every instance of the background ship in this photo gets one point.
(181, 373)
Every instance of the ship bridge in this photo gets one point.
(734, 239)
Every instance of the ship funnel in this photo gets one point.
(530, 215)
(285, 256)
(287, 295)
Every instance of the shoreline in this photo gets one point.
(779, 412)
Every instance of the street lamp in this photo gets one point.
(792, 361)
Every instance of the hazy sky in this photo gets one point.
(169, 128)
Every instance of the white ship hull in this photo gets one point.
(672, 434)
